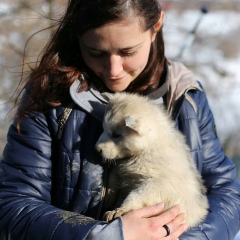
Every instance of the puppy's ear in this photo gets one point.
(135, 124)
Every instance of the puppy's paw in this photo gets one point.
(111, 215)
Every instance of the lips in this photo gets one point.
(116, 79)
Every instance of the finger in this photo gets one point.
(151, 211)
(168, 215)
(176, 234)
(178, 220)
(175, 227)
(168, 231)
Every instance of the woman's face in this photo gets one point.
(117, 52)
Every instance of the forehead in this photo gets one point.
(118, 34)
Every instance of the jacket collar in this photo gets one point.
(92, 101)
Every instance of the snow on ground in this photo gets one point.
(220, 74)
(4, 8)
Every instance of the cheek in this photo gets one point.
(92, 63)
(137, 62)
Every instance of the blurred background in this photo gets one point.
(204, 35)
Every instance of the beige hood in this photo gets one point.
(180, 80)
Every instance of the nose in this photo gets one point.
(114, 65)
(98, 148)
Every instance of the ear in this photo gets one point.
(158, 25)
(133, 123)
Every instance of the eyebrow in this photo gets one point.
(122, 49)
(128, 48)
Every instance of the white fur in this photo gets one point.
(153, 163)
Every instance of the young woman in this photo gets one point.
(53, 182)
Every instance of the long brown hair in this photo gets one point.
(61, 63)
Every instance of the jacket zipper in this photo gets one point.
(62, 121)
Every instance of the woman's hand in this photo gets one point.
(147, 223)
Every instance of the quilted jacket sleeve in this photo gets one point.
(25, 189)
(219, 174)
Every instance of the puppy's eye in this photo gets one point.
(116, 135)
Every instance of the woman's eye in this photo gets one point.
(96, 54)
(128, 54)
(116, 135)
(99, 54)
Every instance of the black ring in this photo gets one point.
(167, 229)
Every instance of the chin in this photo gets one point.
(117, 88)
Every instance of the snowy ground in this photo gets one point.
(218, 69)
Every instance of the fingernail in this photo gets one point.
(160, 205)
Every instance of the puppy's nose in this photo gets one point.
(98, 149)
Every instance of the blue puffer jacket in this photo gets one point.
(53, 189)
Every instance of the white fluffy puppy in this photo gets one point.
(151, 160)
